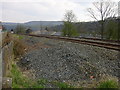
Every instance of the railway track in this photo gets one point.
(109, 44)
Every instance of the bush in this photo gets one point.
(62, 85)
(69, 30)
(18, 44)
(111, 28)
(6, 39)
(18, 47)
(108, 84)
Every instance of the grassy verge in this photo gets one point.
(108, 84)
(63, 85)
(20, 81)
(18, 36)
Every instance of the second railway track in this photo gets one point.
(100, 43)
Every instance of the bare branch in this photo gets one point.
(92, 14)
(70, 16)
(105, 9)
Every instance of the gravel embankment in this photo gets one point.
(66, 61)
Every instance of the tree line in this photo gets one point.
(104, 12)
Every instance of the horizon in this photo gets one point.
(42, 21)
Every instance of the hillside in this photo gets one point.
(34, 25)
(83, 28)
(52, 25)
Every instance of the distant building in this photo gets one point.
(45, 32)
(28, 31)
(57, 33)
(12, 31)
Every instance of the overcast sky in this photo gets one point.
(43, 10)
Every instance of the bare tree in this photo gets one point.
(69, 19)
(103, 10)
(70, 16)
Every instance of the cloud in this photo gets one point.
(0, 11)
(27, 10)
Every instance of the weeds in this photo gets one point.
(19, 47)
(63, 85)
(108, 84)
(6, 39)
(18, 44)
(18, 36)
(20, 81)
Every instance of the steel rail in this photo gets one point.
(104, 44)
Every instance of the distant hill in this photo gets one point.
(51, 25)
(35, 25)
(44, 23)
(82, 27)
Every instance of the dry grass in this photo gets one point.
(19, 46)
(6, 39)
(104, 79)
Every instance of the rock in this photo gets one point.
(65, 61)
(6, 82)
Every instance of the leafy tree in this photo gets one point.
(69, 28)
(20, 29)
(118, 27)
(112, 29)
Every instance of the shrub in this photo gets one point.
(6, 38)
(63, 85)
(108, 84)
(18, 44)
(18, 47)
(69, 30)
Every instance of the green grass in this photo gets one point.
(20, 81)
(108, 84)
(62, 85)
(19, 36)
(42, 81)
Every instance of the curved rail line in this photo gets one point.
(103, 43)
(116, 41)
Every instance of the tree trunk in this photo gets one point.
(118, 28)
(102, 29)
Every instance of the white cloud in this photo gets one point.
(27, 10)
(0, 11)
